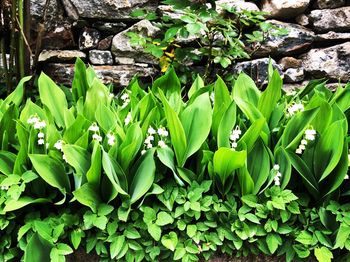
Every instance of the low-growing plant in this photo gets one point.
(218, 169)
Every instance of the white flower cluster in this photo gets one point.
(96, 136)
(162, 133)
(234, 136)
(111, 139)
(346, 177)
(128, 119)
(58, 145)
(38, 124)
(212, 98)
(4, 187)
(126, 99)
(309, 135)
(277, 177)
(295, 108)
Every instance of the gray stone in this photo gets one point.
(331, 19)
(294, 75)
(100, 57)
(332, 62)
(105, 43)
(289, 62)
(60, 55)
(121, 46)
(37, 8)
(332, 36)
(297, 39)
(109, 27)
(70, 9)
(124, 61)
(239, 5)
(59, 36)
(284, 8)
(325, 4)
(168, 10)
(257, 69)
(89, 38)
(302, 20)
(107, 9)
(118, 74)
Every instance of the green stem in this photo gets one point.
(13, 69)
(21, 46)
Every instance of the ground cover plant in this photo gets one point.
(158, 173)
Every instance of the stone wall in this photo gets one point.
(317, 45)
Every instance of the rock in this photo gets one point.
(331, 19)
(168, 10)
(124, 61)
(295, 41)
(121, 46)
(60, 37)
(60, 55)
(89, 38)
(238, 4)
(289, 62)
(70, 9)
(53, 12)
(284, 8)
(332, 62)
(325, 4)
(302, 20)
(111, 9)
(332, 36)
(105, 43)
(257, 69)
(117, 74)
(109, 27)
(294, 75)
(99, 57)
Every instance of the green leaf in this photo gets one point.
(323, 254)
(7, 161)
(253, 218)
(164, 218)
(246, 90)
(305, 238)
(144, 176)
(53, 98)
(52, 171)
(271, 95)
(75, 237)
(253, 133)
(226, 161)
(196, 121)
(117, 246)
(64, 249)
(197, 84)
(166, 156)
(193, 28)
(16, 96)
(226, 125)
(179, 253)
(37, 249)
(191, 230)
(80, 83)
(96, 95)
(155, 231)
(170, 241)
(177, 132)
(222, 101)
(342, 236)
(328, 150)
(88, 196)
(12, 204)
(131, 233)
(273, 241)
(93, 175)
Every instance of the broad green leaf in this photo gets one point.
(16, 96)
(305, 238)
(342, 236)
(155, 231)
(323, 254)
(177, 133)
(74, 132)
(226, 161)
(95, 96)
(245, 181)
(328, 150)
(296, 127)
(105, 118)
(253, 133)
(93, 175)
(51, 171)
(273, 241)
(271, 95)
(7, 162)
(143, 177)
(37, 249)
(246, 90)
(197, 84)
(222, 101)
(80, 83)
(226, 125)
(196, 122)
(170, 241)
(7, 124)
(53, 98)
(166, 156)
(22, 155)
(116, 246)
(88, 196)
(285, 165)
(115, 174)
(12, 204)
(75, 237)
(130, 146)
